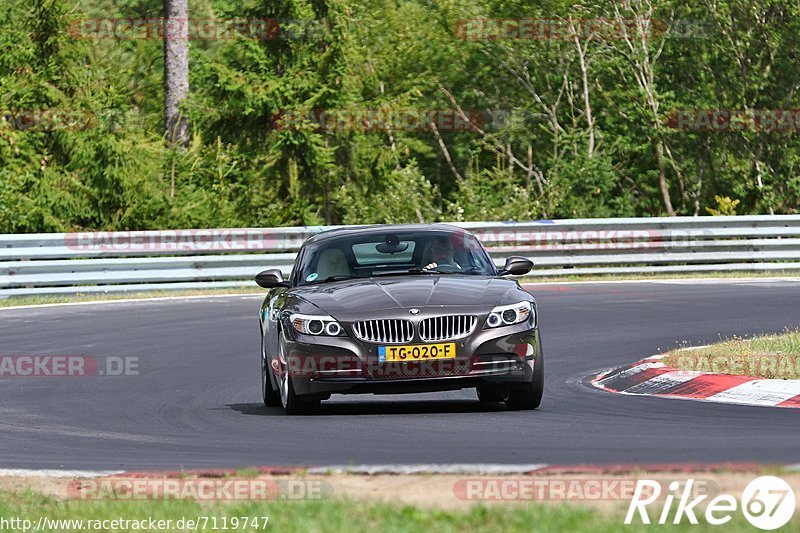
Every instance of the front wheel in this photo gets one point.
(268, 394)
(291, 402)
(529, 396)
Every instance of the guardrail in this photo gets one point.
(128, 261)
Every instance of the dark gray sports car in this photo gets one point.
(394, 309)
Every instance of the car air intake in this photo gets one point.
(387, 330)
(443, 328)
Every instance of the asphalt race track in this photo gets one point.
(196, 400)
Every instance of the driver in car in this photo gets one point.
(441, 254)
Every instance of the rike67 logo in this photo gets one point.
(767, 502)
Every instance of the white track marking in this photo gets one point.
(244, 296)
(21, 472)
(755, 392)
(687, 348)
(732, 281)
(461, 469)
(630, 372)
(661, 383)
(759, 392)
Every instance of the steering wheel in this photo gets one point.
(446, 268)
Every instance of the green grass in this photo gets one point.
(343, 515)
(247, 473)
(765, 356)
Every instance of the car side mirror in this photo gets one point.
(516, 266)
(269, 279)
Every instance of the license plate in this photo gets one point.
(417, 352)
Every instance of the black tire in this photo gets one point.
(529, 396)
(295, 405)
(269, 395)
(489, 394)
(287, 398)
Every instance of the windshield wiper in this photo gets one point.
(393, 273)
(467, 270)
(436, 270)
(342, 277)
(387, 273)
(404, 272)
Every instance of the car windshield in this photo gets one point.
(392, 253)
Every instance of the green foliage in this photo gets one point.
(725, 206)
(493, 195)
(403, 196)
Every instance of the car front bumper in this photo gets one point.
(320, 366)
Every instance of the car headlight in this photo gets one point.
(316, 325)
(506, 315)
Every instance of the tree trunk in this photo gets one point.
(176, 70)
(582, 50)
(662, 179)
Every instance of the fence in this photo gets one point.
(106, 262)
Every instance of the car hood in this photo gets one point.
(353, 299)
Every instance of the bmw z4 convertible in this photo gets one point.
(398, 309)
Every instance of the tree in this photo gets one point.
(176, 70)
